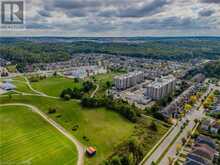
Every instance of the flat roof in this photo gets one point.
(162, 81)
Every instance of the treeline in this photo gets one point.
(212, 69)
(24, 53)
(165, 50)
(129, 112)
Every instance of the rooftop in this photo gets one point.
(158, 83)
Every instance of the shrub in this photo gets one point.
(52, 110)
(153, 126)
(66, 97)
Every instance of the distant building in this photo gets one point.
(86, 71)
(128, 80)
(7, 86)
(199, 78)
(161, 87)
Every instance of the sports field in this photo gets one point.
(53, 86)
(101, 128)
(27, 139)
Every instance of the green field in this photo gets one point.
(53, 86)
(11, 68)
(27, 139)
(101, 79)
(100, 128)
(22, 87)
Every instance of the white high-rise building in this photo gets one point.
(128, 80)
(161, 87)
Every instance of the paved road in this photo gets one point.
(79, 146)
(194, 114)
(159, 151)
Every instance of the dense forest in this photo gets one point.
(212, 69)
(34, 51)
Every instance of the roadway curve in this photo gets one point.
(79, 146)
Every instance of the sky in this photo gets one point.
(120, 18)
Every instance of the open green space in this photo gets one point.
(22, 87)
(53, 86)
(101, 80)
(101, 128)
(11, 68)
(27, 139)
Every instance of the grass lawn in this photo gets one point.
(11, 68)
(27, 139)
(53, 86)
(100, 128)
(101, 79)
(22, 87)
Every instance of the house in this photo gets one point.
(196, 159)
(201, 139)
(206, 124)
(215, 129)
(91, 151)
(204, 153)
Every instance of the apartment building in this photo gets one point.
(128, 80)
(161, 87)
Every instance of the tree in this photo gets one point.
(178, 148)
(187, 107)
(183, 140)
(76, 80)
(67, 97)
(108, 84)
(9, 95)
(193, 99)
(153, 126)
(87, 86)
(52, 110)
(170, 160)
(55, 74)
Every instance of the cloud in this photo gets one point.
(76, 4)
(206, 13)
(147, 8)
(44, 13)
(123, 17)
(210, 1)
(168, 23)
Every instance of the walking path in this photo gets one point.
(94, 92)
(29, 85)
(79, 146)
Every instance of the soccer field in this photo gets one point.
(27, 139)
(100, 128)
